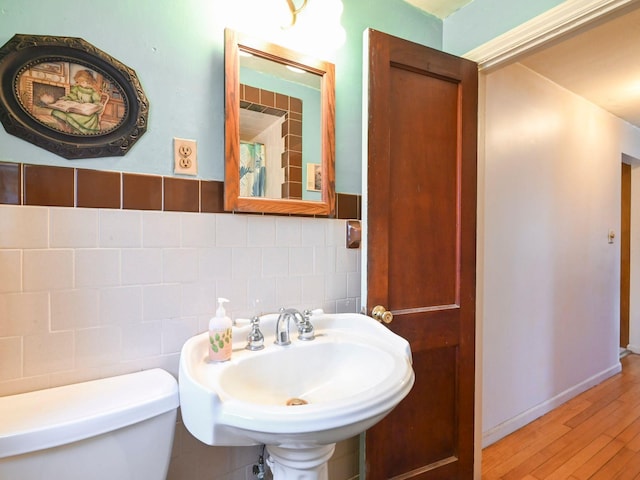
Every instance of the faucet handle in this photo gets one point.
(305, 327)
(255, 339)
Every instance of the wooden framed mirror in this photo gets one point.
(279, 129)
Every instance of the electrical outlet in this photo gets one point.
(185, 157)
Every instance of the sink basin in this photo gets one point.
(309, 393)
(314, 373)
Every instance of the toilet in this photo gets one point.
(116, 428)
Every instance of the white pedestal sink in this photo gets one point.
(298, 400)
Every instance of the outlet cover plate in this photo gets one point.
(185, 157)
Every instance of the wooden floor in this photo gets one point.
(595, 435)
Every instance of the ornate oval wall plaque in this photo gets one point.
(69, 97)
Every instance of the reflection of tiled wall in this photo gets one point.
(260, 100)
(76, 187)
(119, 285)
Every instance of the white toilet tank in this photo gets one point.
(115, 428)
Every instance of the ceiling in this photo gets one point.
(601, 63)
(439, 8)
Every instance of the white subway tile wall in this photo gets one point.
(119, 228)
(11, 266)
(24, 228)
(73, 228)
(89, 293)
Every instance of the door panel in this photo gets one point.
(421, 206)
(424, 189)
(429, 412)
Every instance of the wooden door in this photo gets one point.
(625, 255)
(421, 228)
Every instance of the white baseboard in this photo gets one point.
(519, 421)
(633, 348)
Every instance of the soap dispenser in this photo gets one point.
(220, 330)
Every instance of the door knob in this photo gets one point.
(381, 314)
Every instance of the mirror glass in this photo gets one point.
(279, 122)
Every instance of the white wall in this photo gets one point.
(550, 280)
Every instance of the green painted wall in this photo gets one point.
(391, 16)
(176, 48)
(483, 20)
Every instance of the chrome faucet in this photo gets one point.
(305, 328)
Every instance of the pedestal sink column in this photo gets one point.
(300, 463)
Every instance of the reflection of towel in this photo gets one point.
(252, 170)
(260, 171)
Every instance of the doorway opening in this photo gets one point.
(625, 256)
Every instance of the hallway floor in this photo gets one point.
(595, 435)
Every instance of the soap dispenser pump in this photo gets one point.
(220, 331)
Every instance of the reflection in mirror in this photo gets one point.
(279, 132)
(279, 122)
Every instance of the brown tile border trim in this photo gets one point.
(47, 185)
(98, 189)
(141, 192)
(25, 184)
(181, 195)
(10, 183)
(348, 206)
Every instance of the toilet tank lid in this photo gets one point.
(56, 416)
